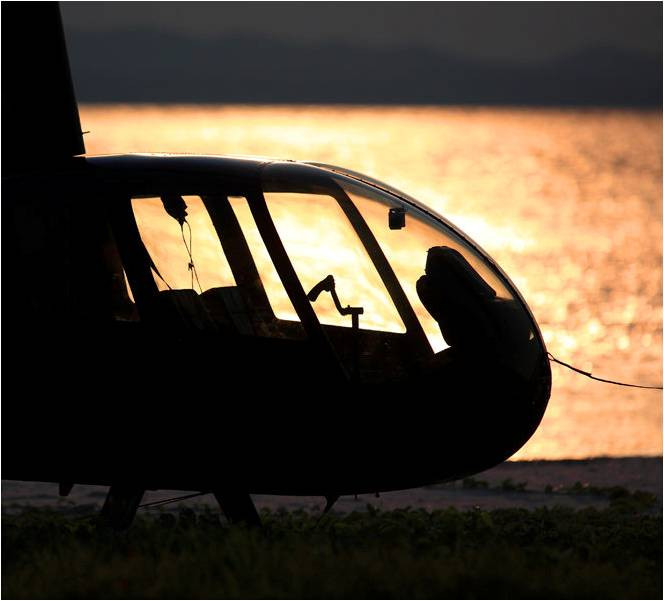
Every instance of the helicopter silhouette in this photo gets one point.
(239, 325)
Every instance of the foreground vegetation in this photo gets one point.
(511, 553)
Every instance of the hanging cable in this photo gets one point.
(589, 375)
(189, 247)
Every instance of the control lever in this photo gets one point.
(327, 284)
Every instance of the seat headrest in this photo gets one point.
(457, 297)
(450, 269)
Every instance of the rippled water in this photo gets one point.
(568, 202)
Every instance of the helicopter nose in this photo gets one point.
(524, 401)
(490, 410)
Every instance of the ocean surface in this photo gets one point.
(568, 202)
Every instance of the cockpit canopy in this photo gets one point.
(306, 250)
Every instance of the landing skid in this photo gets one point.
(123, 501)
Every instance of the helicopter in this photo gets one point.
(240, 325)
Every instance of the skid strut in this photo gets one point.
(120, 506)
(238, 508)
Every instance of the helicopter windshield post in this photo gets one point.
(288, 276)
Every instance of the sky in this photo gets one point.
(523, 32)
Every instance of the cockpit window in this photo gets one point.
(321, 242)
(188, 256)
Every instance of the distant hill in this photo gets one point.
(146, 66)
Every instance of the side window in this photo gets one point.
(194, 271)
(320, 242)
(190, 256)
(274, 288)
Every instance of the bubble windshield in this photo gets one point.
(443, 285)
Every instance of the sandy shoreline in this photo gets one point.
(526, 484)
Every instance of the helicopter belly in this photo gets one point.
(289, 428)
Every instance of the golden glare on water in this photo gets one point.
(568, 202)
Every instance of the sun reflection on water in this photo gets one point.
(568, 202)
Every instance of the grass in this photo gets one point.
(510, 553)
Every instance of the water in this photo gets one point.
(569, 202)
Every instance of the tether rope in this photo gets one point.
(589, 375)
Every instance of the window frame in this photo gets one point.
(138, 263)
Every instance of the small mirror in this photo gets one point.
(397, 218)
